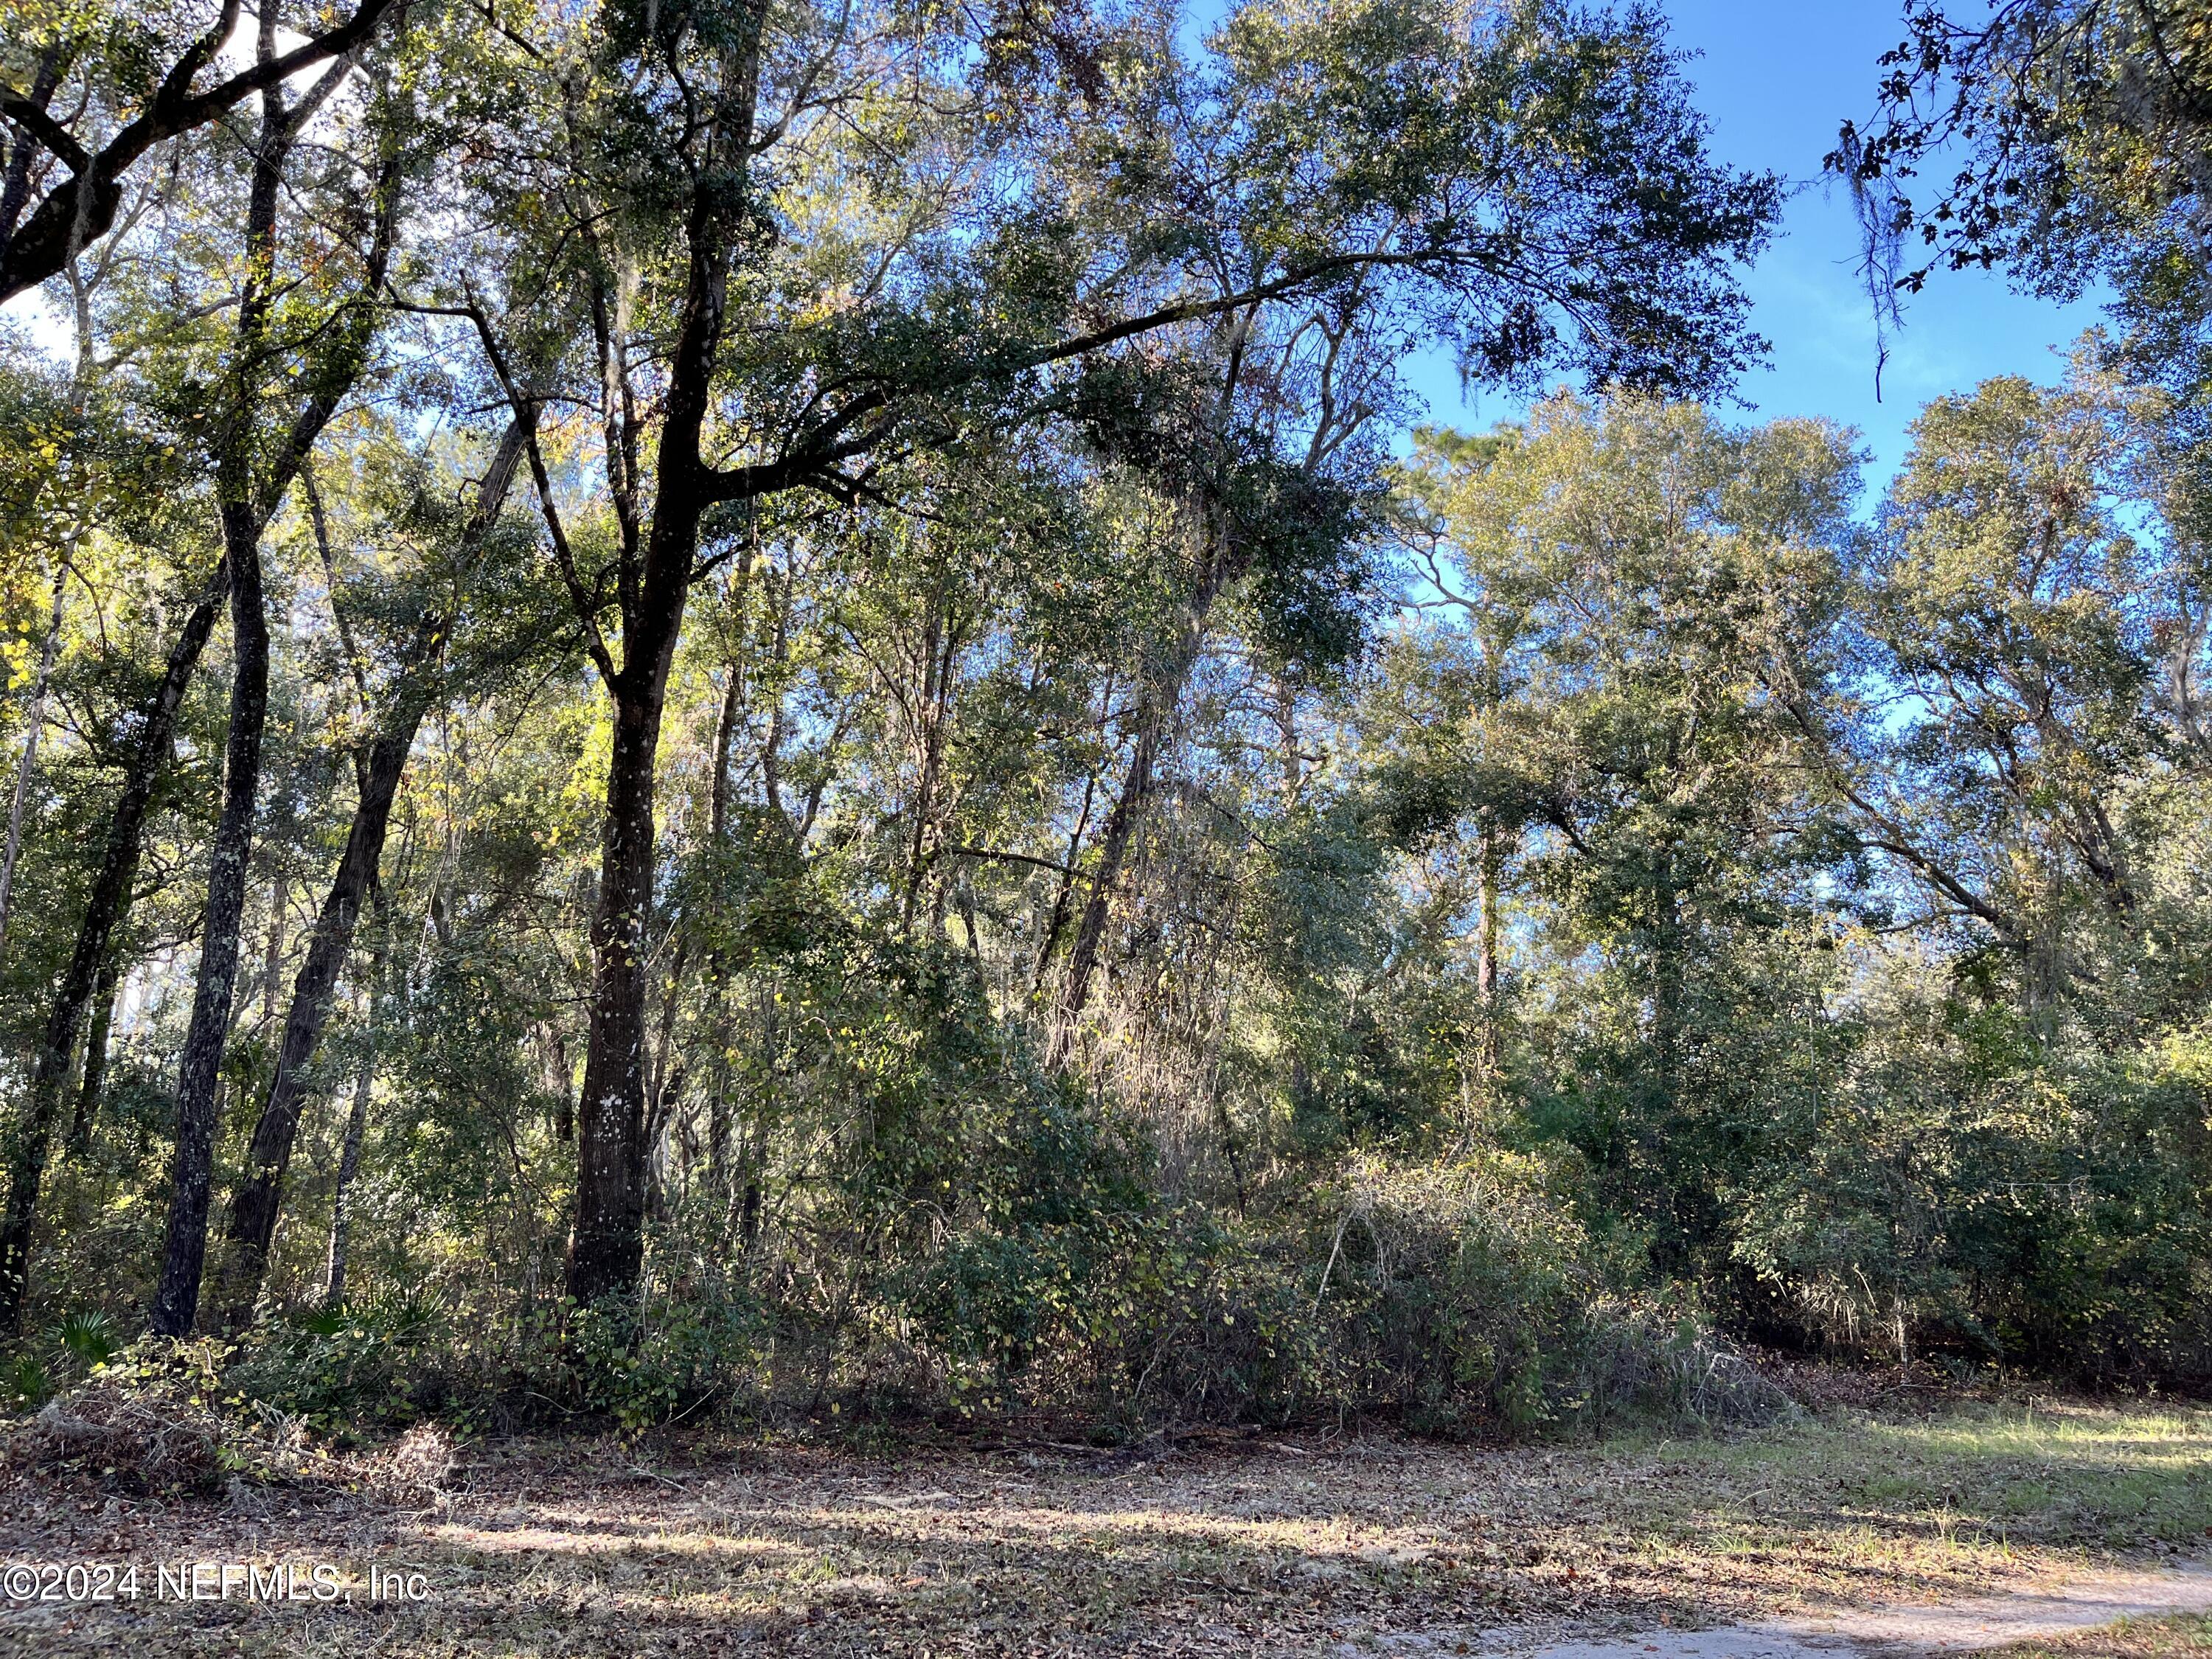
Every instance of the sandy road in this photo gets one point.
(1896, 1631)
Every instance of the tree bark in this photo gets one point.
(251, 1223)
(105, 909)
(95, 1059)
(15, 186)
(564, 1100)
(749, 1215)
(607, 1254)
(176, 1300)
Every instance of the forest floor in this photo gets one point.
(690, 1543)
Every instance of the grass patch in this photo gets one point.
(2044, 1474)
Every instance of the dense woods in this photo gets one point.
(775, 706)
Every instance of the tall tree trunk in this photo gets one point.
(940, 646)
(34, 722)
(253, 1208)
(749, 1215)
(564, 1099)
(718, 1019)
(273, 955)
(664, 1089)
(1056, 922)
(606, 1252)
(1128, 811)
(1489, 863)
(176, 1300)
(1155, 718)
(1292, 763)
(606, 1255)
(105, 909)
(95, 1059)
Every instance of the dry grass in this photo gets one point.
(697, 1545)
(2132, 1638)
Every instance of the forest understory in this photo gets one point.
(1019, 1543)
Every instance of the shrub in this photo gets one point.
(162, 1417)
(666, 1358)
(1975, 1189)
(1453, 1300)
(348, 1368)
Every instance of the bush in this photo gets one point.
(1456, 1300)
(162, 1417)
(675, 1354)
(1453, 1300)
(344, 1369)
(80, 1343)
(1974, 1188)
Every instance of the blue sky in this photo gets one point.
(1775, 77)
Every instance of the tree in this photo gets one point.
(2014, 620)
(258, 443)
(416, 681)
(1661, 594)
(1542, 198)
(2082, 127)
(2071, 140)
(106, 475)
(46, 221)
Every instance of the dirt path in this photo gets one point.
(1896, 1631)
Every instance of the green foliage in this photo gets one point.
(1960, 1187)
(80, 1344)
(28, 1384)
(90, 1338)
(646, 1366)
(1976, 1142)
(345, 1369)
